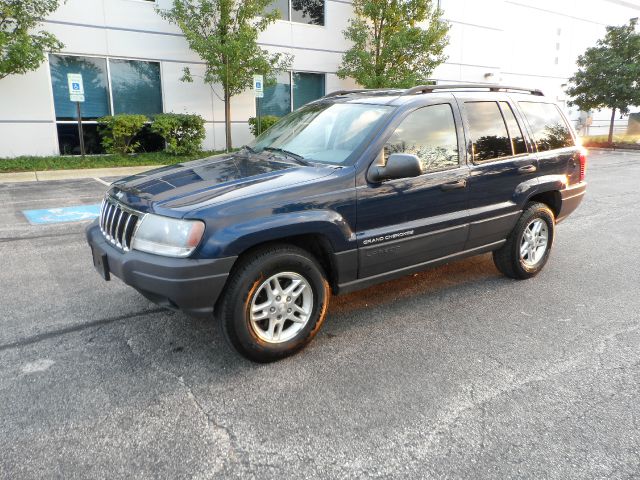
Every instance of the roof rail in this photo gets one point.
(344, 92)
(431, 88)
(470, 86)
(379, 91)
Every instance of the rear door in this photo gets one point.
(408, 221)
(502, 160)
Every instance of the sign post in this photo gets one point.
(76, 94)
(258, 89)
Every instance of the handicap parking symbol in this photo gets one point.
(76, 213)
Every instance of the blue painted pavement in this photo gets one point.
(61, 215)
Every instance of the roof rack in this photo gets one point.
(381, 91)
(432, 88)
(470, 86)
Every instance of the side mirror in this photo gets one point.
(399, 165)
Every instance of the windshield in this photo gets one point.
(323, 132)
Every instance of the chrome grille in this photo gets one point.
(118, 223)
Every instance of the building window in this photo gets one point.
(310, 12)
(306, 88)
(136, 87)
(111, 86)
(94, 78)
(277, 98)
(291, 91)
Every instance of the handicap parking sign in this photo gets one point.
(76, 87)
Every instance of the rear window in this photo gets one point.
(550, 129)
(488, 131)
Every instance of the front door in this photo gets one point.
(409, 221)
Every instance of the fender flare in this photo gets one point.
(237, 238)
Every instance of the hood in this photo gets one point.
(187, 186)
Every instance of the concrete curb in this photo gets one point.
(47, 175)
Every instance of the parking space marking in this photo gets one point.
(76, 213)
(101, 181)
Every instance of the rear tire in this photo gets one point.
(274, 303)
(528, 245)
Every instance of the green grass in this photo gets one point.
(30, 164)
(619, 139)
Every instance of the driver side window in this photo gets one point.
(430, 134)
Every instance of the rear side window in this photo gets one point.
(488, 131)
(430, 134)
(515, 132)
(550, 130)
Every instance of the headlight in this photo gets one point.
(167, 236)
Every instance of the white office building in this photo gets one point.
(132, 60)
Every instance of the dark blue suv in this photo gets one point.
(356, 188)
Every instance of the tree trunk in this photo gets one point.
(227, 120)
(613, 118)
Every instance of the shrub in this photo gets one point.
(119, 131)
(267, 122)
(183, 133)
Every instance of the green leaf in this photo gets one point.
(396, 43)
(608, 74)
(119, 132)
(182, 133)
(224, 33)
(23, 47)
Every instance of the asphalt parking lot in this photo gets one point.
(457, 372)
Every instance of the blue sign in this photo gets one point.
(75, 86)
(77, 213)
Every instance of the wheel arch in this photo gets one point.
(550, 198)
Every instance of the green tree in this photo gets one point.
(608, 74)
(225, 35)
(396, 43)
(23, 49)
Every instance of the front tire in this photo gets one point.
(274, 303)
(528, 245)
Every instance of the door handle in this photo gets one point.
(527, 169)
(453, 185)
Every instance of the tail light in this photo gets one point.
(583, 164)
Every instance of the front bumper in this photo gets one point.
(190, 285)
(571, 197)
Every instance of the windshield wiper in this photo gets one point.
(298, 158)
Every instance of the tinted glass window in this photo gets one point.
(277, 98)
(306, 88)
(136, 87)
(94, 79)
(281, 6)
(69, 138)
(517, 140)
(488, 131)
(308, 11)
(430, 134)
(550, 130)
